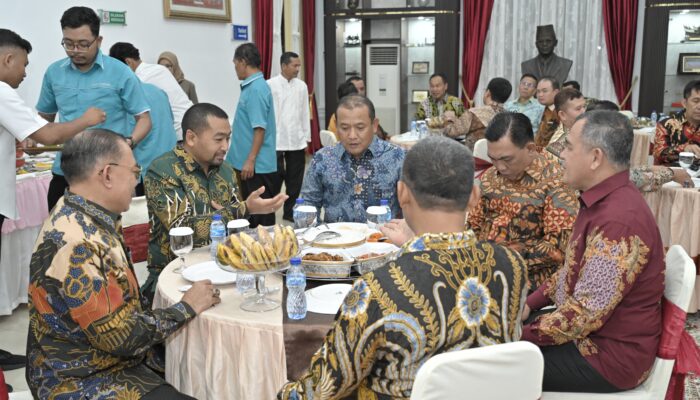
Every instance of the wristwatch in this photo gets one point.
(130, 142)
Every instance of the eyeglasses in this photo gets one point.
(136, 170)
(82, 45)
(527, 84)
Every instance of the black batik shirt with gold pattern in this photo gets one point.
(180, 193)
(444, 292)
(90, 334)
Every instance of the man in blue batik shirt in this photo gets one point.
(87, 78)
(357, 172)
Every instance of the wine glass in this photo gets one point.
(181, 244)
(685, 159)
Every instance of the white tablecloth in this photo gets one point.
(225, 352)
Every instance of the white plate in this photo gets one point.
(351, 234)
(208, 270)
(327, 299)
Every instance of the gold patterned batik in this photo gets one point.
(444, 292)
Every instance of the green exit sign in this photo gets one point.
(113, 17)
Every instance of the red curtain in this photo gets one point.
(309, 26)
(263, 34)
(620, 21)
(476, 20)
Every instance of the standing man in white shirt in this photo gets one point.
(19, 122)
(291, 101)
(157, 75)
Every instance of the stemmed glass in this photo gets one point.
(181, 244)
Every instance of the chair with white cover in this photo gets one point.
(136, 228)
(498, 372)
(481, 150)
(680, 281)
(327, 138)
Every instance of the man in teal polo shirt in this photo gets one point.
(87, 78)
(253, 151)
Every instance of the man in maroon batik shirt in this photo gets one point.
(604, 332)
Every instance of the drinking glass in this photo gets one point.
(685, 159)
(181, 244)
(374, 216)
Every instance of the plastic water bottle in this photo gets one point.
(424, 129)
(414, 131)
(217, 233)
(654, 116)
(304, 214)
(386, 217)
(296, 283)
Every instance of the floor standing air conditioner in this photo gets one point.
(382, 80)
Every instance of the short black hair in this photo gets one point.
(500, 89)
(517, 125)
(528, 75)
(439, 172)
(196, 117)
(10, 39)
(75, 17)
(345, 89)
(123, 50)
(690, 87)
(573, 84)
(83, 151)
(440, 74)
(355, 100)
(602, 105)
(555, 83)
(565, 95)
(354, 78)
(249, 53)
(287, 56)
(610, 131)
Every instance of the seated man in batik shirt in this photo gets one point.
(445, 291)
(680, 132)
(90, 334)
(547, 89)
(439, 101)
(568, 104)
(605, 330)
(524, 203)
(189, 184)
(357, 172)
(472, 124)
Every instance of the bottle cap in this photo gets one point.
(299, 200)
(295, 261)
(383, 202)
(216, 217)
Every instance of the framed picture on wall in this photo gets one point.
(203, 10)
(419, 95)
(420, 67)
(689, 63)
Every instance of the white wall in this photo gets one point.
(205, 49)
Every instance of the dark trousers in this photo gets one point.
(290, 168)
(57, 187)
(252, 184)
(165, 392)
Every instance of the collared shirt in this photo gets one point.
(90, 336)
(672, 135)
(161, 137)
(445, 292)
(17, 122)
(608, 292)
(548, 125)
(430, 107)
(109, 85)
(472, 124)
(557, 143)
(291, 99)
(255, 110)
(534, 214)
(158, 75)
(179, 193)
(345, 186)
(531, 108)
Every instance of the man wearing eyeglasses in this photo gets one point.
(526, 103)
(88, 78)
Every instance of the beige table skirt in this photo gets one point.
(677, 213)
(225, 352)
(640, 147)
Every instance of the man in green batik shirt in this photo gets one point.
(438, 101)
(191, 183)
(445, 291)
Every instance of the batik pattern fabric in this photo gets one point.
(444, 292)
(345, 186)
(558, 141)
(650, 179)
(90, 336)
(672, 135)
(608, 292)
(429, 107)
(472, 124)
(548, 125)
(180, 193)
(534, 215)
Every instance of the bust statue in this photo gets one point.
(547, 63)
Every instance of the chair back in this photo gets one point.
(680, 277)
(481, 150)
(136, 214)
(498, 372)
(327, 138)
(135, 227)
